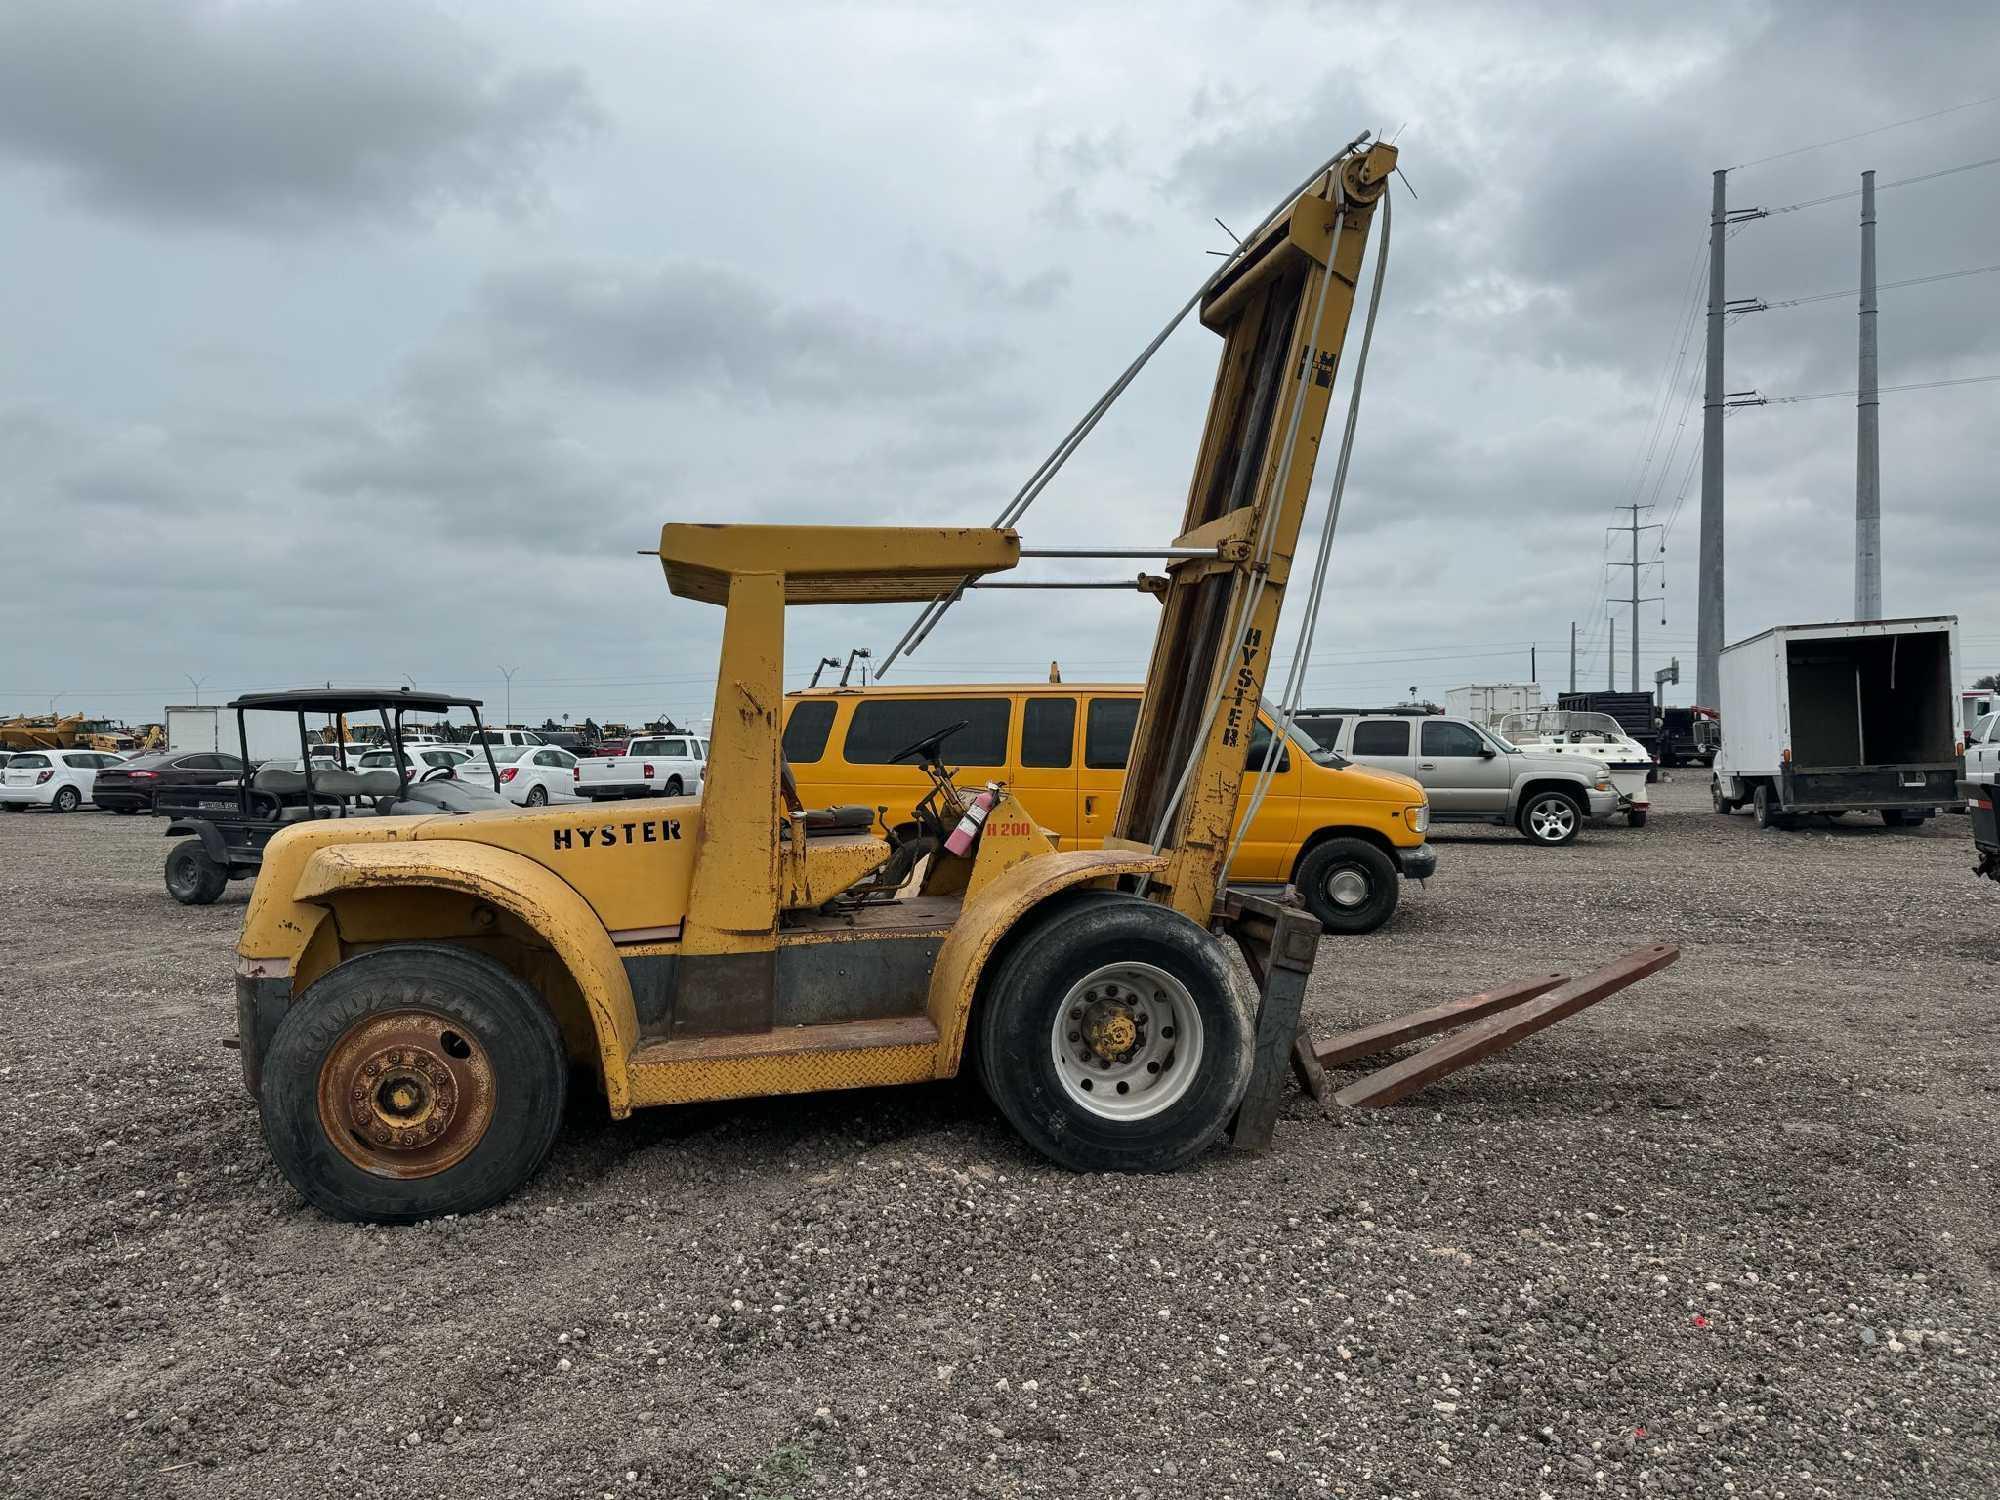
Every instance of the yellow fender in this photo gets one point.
(988, 916)
(515, 884)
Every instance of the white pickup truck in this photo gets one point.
(657, 765)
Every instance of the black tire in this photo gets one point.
(1896, 817)
(1349, 884)
(1636, 818)
(15, 806)
(66, 800)
(1550, 818)
(673, 786)
(1764, 806)
(1024, 997)
(1722, 804)
(504, 1026)
(193, 878)
(538, 795)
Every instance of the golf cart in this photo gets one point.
(223, 829)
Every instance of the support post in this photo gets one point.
(1611, 656)
(1572, 656)
(1708, 607)
(1867, 433)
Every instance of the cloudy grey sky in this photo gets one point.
(361, 339)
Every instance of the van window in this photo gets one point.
(1107, 733)
(882, 726)
(806, 731)
(1260, 748)
(1048, 730)
(1382, 737)
(1443, 737)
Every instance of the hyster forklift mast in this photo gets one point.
(1282, 310)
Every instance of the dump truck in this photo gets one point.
(1853, 716)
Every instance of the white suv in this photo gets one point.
(57, 779)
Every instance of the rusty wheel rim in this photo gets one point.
(406, 1094)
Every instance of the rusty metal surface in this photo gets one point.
(1366, 1041)
(1279, 942)
(406, 1093)
(1499, 1032)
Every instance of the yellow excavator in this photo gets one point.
(414, 992)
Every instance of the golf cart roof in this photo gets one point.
(334, 700)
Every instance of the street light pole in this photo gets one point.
(197, 682)
(508, 673)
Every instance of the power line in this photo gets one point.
(1883, 187)
(1885, 286)
(1859, 134)
(1916, 385)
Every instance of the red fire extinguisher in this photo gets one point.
(963, 836)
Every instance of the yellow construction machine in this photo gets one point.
(414, 991)
(42, 732)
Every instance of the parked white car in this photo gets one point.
(534, 775)
(513, 739)
(419, 761)
(58, 779)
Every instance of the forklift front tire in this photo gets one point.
(193, 878)
(415, 1081)
(1113, 1038)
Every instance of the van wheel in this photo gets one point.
(1550, 819)
(1113, 1038)
(193, 878)
(1349, 884)
(412, 1082)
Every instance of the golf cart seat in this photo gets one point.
(332, 782)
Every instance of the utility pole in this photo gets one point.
(1611, 658)
(1572, 656)
(1867, 434)
(1709, 572)
(1635, 599)
(1533, 675)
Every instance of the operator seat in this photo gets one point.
(848, 817)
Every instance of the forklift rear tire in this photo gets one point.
(1113, 1038)
(415, 1081)
(1349, 884)
(193, 878)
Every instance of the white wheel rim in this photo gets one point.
(1126, 1041)
(1551, 819)
(1347, 888)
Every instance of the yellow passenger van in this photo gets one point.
(1344, 834)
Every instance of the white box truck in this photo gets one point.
(211, 726)
(1859, 716)
(1487, 703)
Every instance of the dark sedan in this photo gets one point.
(129, 787)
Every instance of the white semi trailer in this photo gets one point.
(1859, 716)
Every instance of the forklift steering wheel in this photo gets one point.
(927, 748)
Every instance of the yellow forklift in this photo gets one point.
(415, 992)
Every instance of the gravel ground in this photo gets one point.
(1729, 1233)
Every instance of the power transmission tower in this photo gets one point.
(1708, 608)
(1635, 600)
(1867, 433)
